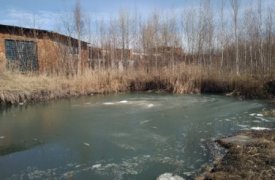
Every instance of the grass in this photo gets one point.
(16, 87)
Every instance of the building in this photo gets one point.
(39, 50)
(110, 58)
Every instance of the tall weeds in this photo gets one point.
(17, 88)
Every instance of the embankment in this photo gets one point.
(18, 88)
(250, 155)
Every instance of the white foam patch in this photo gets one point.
(256, 121)
(119, 135)
(144, 122)
(96, 166)
(86, 144)
(108, 103)
(262, 119)
(260, 128)
(150, 105)
(123, 102)
(2, 137)
(242, 126)
(260, 115)
(126, 147)
(141, 104)
(169, 176)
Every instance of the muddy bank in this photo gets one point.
(250, 155)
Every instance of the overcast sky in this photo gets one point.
(47, 14)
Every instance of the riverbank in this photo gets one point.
(250, 155)
(18, 88)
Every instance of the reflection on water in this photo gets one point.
(132, 136)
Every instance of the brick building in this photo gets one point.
(44, 51)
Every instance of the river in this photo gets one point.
(126, 136)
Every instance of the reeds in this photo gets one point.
(16, 87)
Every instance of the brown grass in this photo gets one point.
(17, 88)
(254, 159)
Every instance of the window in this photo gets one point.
(73, 50)
(22, 55)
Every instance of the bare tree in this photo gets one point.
(235, 9)
(269, 40)
(222, 34)
(79, 27)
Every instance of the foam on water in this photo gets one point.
(96, 166)
(260, 128)
(123, 101)
(108, 103)
(150, 105)
(135, 143)
(126, 147)
(242, 126)
(144, 122)
(120, 134)
(262, 119)
(169, 176)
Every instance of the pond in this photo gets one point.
(126, 136)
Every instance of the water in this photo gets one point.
(130, 136)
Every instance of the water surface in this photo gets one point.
(129, 136)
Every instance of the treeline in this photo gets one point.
(224, 35)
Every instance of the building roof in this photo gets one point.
(39, 33)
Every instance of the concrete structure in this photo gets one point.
(44, 51)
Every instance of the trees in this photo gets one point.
(222, 34)
(205, 33)
(79, 28)
(235, 9)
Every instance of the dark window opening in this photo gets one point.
(74, 50)
(22, 55)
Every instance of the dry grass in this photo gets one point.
(250, 159)
(17, 88)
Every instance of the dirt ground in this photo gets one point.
(250, 155)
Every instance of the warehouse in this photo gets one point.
(36, 50)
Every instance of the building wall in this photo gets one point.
(53, 57)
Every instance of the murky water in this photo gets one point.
(132, 136)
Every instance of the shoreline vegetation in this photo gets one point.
(18, 88)
(198, 50)
(250, 155)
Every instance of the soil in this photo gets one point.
(250, 155)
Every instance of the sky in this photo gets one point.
(47, 14)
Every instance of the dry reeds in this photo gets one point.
(17, 88)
